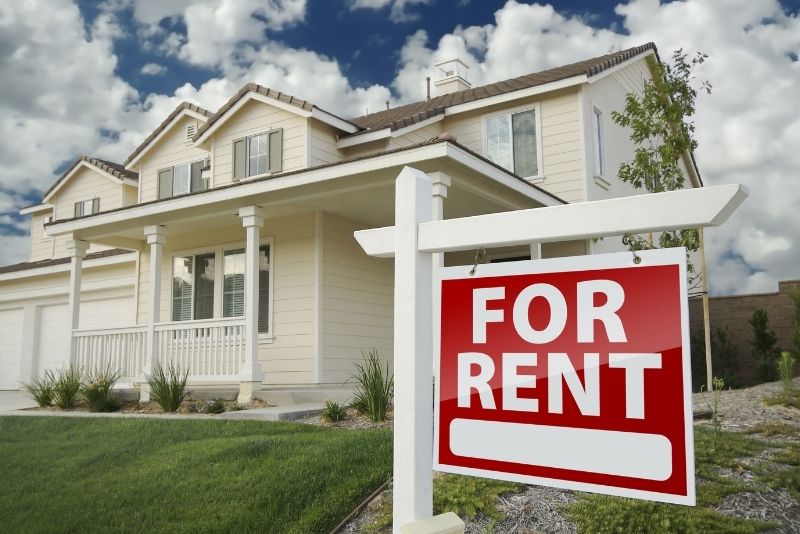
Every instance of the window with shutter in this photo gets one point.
(165, 183)
(511, 142)
(87, 207)
(258, 154)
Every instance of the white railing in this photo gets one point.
(121, 349)
(209, 349)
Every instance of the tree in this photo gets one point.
(765, 350)
(660, 122)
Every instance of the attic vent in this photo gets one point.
(191, 129)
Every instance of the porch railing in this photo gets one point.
(120, 349)
(209, 349)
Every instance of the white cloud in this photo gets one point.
(399, 9)
(153, 69)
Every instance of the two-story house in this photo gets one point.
(225, 241)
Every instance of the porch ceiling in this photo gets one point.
(365, 197)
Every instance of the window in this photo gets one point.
(597, 131)
(87, 207)
(196, 285)
(258, 154)
(182, 179)
(511, 142)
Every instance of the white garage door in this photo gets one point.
(10, 348)
(107, 313)
(53, 337)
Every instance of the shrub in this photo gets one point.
(375, 387)
(214, 406)
(764, 346)
(332, 411)
(98, 386)
(724, 357)
(41, 389)
(66, 387)
(168, 386)
(786, 370)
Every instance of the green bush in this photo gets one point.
(98, 386)
(168, 386)
(66, 387)
(332, 411)
(375, 387)
(724, 355)
(215, 406)
(42, 389)
(765, 351)
(786, 370)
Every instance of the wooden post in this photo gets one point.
(413, 360)
(706, 318)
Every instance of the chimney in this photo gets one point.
(451, 76)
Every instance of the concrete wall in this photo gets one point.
(733, 313)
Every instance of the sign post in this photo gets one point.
(413, 240)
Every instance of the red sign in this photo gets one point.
(570, 372)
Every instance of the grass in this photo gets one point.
(789, 399)
(135, 475)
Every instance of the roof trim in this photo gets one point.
(386, 133)
(183, 109)
(57, 265)
(107, 169)
(286, 102)
(36, 208)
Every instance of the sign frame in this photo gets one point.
(647, 258)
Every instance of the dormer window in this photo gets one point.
(182, 179)
(87, 207)
(258, 154)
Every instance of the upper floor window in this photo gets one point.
(597, 132)
(87, 207)
(182, 179)
(258, 154)
(511, 142)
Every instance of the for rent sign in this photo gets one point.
(570, 372)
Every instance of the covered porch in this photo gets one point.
(261, 283)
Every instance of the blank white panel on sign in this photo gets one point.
(578, 449)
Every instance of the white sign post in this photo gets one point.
(415, 237)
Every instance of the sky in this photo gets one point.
(97, 77)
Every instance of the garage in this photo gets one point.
(53, 333)
(10, 348)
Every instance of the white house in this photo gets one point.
(225, 241)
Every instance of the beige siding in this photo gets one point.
(253, 118)
(322, 148)
(290, 356)
(41, 247)
(419, 135)
(86, 184)
(172, 149)
(130, 195)
(357, 301)
(561, 139)
(366, 149)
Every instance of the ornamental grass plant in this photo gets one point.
(375, 387)
(98, 389)
(168, 386)
(67, 386)
(42, 389)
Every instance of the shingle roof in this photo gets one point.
(260, 89)
(27, 265)
(402, 116)
(114, 169)
(182, 106)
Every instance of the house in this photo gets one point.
(224, 243)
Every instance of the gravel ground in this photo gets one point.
(536, 509)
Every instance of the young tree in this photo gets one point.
(765, 350)
(660, 122)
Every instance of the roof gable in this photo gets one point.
(108, 169)
(183, 109)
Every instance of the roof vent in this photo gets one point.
(451, 76)
(191, 129)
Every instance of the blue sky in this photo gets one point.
(96, 77)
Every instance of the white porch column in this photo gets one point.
(156, 238)
(76, 249)
(250, 375)
(441, 182)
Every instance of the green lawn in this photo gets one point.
(126, 475)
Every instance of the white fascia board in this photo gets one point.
(37, 208)
(78, 167)
(502, 177)
(333, 120)
(184, 112)
(364, 138)
(240, 104)
(615, 68)
(64, 267)
(515, 95)
(130, 182)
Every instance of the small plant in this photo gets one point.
(765, 351)
(718, 384)
(332, 411)
(66, 387)
(375, 387)
(168, 386)
(42, 389)
(215, 406)
(98, 386)
(786, 371)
